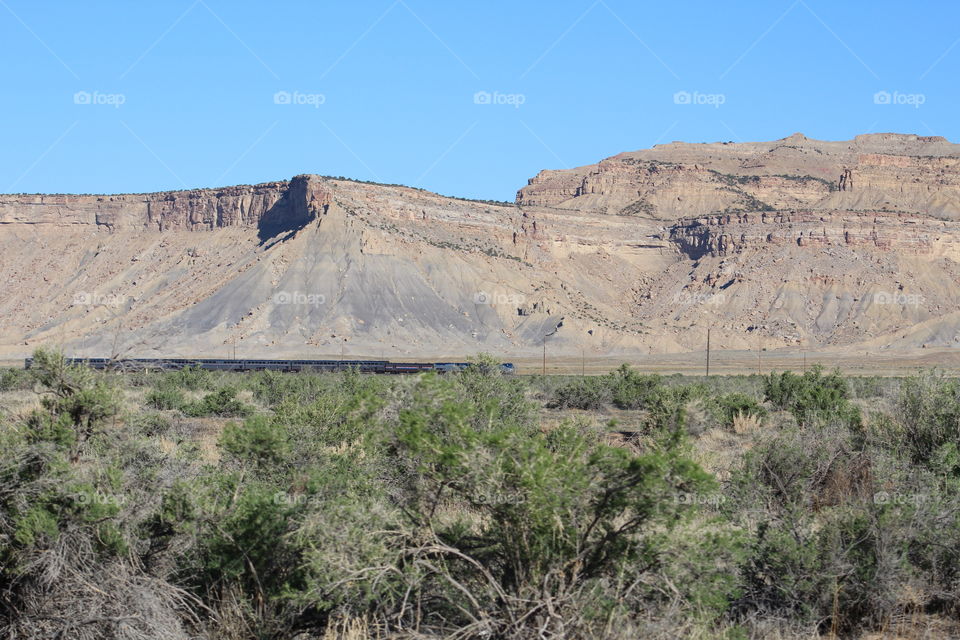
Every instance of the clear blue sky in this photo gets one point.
(385, 90)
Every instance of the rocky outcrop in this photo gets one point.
(724, 235)
(271, 203)
(891, 172)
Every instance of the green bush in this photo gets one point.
(222, 403)
(813, 396)
(75, 404)
(587, 393)
(554, 513)
(165, 399)
(258, 440)
(632, 390)
(928, 414)
(151, 424)
(624, 388)
(190, 378)
(273, 387)
(15, 380)
(734, 404)
(496, 399)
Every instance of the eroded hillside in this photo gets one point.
(792, 243)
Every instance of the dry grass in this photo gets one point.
(349, 629)
(718, 452)
(16, 403)
(746, 423)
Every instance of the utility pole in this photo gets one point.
(759, 366)
(583, 361)
(545, 336)
(708, 352)
(544, 355)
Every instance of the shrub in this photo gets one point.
(190, 378)
(75, 403)
(496, 399)
(632, 390)
(737, 404)
(557, 517)
(258, 440)
(151, 424)
(15, 380)
(624, 388)
(165, 399)
(928, 413)
(813, 396)
(587, 393)
(69, 508)
(273, 387)
(223, 403)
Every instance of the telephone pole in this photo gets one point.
(708, 352)
(545, 336)
(544, 355)
(759, 366)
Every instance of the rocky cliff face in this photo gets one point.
(728, 234)
(793, 243)
(883, 172)
(288, 202)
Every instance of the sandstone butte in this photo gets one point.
(787, 246)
